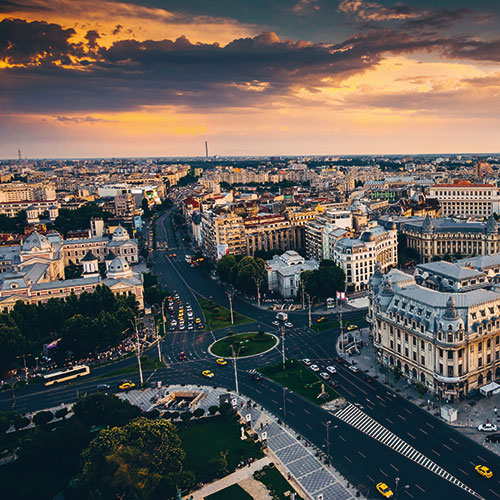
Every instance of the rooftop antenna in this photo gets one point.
(206, 149)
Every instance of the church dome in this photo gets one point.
(119, 268)
(367, 236)
(120, 234)
(36, 242)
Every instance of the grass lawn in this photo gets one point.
(217, 316)
(272, 479)
(299, 379)
(147, 364)
(204, 440)
(248, 344)
(233, 492)
(327, 325)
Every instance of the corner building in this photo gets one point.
(450, 342)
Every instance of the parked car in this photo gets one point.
(331, 369)
(493, 438)
(487, 427)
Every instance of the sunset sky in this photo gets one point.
(92, 78)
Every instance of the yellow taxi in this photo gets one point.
(221, 361)
(484, 471)
(207, 373)
(126, 385)
(384, 490)
(320, 320)
(352, 327)
(198, 320)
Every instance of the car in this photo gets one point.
(200, 326)
(493, 438)
(221, 361)
(352, 327)
(103, 387)
(173, 322)
(331, 369)
(182, 356)
(255, 375)
(171, 328)
(307, 361)
(288, 324)
(182, 326)
(482, 470)
(334, 384)
(384, 490)
(276, 323)
(207, 373)
(314, 368)
(126, 385)
(487, 427)
(190, 315)
(197, 320)
(354, 368)
(320, 320)
(172, 255)
(324, 375)
(190, 326)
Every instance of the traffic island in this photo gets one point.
(243, 345)
(217, 316)
(297, 378)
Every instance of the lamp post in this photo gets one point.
(163, 315)
(139, 349)
(235, 355)
(229, 294)
(283, 345)
(309, 305)
(327, 425)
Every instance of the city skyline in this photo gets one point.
(306, 77)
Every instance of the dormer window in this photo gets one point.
(13, 285)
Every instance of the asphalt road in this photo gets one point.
(361, 459)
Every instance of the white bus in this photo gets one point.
(64, 375)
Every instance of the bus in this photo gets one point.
(64, 375)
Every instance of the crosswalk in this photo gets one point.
(358, 419)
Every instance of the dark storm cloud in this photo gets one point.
(246, 72)
(25, 43)
(444, 19)
(12, 6)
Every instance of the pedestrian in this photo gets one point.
(495, 410)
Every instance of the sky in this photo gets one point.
(106, 78)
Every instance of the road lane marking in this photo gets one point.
(411, 435)
(370, 478)
(409, 494)
(402, 418)
(274, 401)
(307, 411)
(364, 456)
(422, 430)
(430, 425)
(394, 467)
(463, 472)
(494, 493)
(447, 447)
(407, 411)
(390, 421)
(350, 461)
(307, 425)
(453, 441)
(481, 458)
(434, 451)
(343, 438)
(386, 475)
(473, 464)
(419, 487)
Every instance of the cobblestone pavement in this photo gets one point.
(471, 413)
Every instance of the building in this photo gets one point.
(125, 207)
(283, 272)
(465, 199)
(448, 341)
(437, 238)
(20, 191)
(358, 256)
(36, 275)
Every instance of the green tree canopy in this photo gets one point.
(325, 281)
(131, 461)
(104, 409)
(225, 266)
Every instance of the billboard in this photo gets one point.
(221, 251)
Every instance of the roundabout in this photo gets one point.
(243, 345)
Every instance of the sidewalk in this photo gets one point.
(471, 413)
(225, 482)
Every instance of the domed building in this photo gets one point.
(358, 256)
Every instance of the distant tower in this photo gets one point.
(19, 156)
(206, 149)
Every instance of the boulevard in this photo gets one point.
(363, 460)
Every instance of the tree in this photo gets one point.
(12, 343)
(213, 410)
(104, 409)
(4, 423)
(21, 422)
(186, 415)
(199, 412)
(43, 417)
(61, 413)
(224, 267)
(131, 461)
(249, 275)
(323, 282)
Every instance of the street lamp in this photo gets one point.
(229, 294)
(406, 486)
(327, 425)
(235, 355)
(139, 349)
